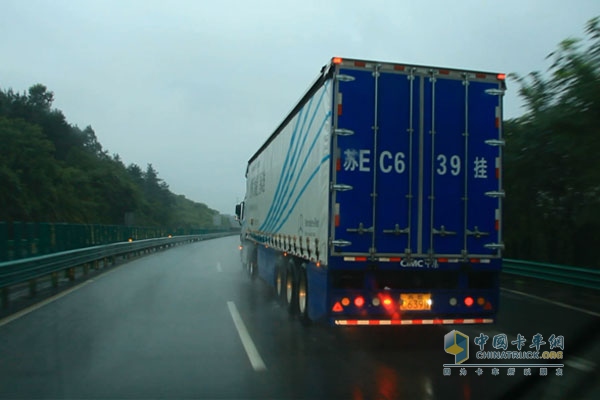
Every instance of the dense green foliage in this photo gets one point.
(52, 171)
(552, 159)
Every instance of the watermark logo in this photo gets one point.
(457, 344)
(501, 354)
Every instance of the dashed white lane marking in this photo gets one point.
(556, 303)
(255, 358)
(37, 306)
(219, 269)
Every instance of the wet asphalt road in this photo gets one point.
(164, 326)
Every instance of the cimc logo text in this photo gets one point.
(457, 344)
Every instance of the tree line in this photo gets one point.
(552, 158)
(53, 171)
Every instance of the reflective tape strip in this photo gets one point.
(413, 321)
(339, 103)
(497, 225)
(497, 117)
(497, 167)
(355, 258)
(390, 259)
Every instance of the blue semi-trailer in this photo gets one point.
(378, 199)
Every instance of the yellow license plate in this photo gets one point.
(415, 301)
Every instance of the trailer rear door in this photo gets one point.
(418, 162)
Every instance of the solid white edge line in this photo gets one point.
(34, 307)
(556, 303)
(37, 306)
(255, 358)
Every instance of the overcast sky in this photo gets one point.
(195, 87)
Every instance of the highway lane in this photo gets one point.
(163, 326)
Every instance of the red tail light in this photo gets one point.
(359, 301)
(387, 302)
(468, 301)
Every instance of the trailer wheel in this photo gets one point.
(303, 296)
(291, 288)
(252, 265)
(252, 269)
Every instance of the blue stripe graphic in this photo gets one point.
(287, 194)
(283, 169)
(284, 191)
(323, 160)
(308, 154)
(290, 171)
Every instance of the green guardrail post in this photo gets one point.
(53, 246)
(44, 244)
(17, 237)
(61, 237)
(81, 236)
(70, 274)
(32, 238)
(92, 235)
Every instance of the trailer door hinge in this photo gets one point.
(340, 243)
(494, 246)
(498, 193)
(345, 78)
(343, 132)
(495, 92)
(340, 187)
(495, 142)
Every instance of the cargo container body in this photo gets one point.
(378, 199)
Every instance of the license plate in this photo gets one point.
(415, 301)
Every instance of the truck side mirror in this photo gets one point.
(239, 212)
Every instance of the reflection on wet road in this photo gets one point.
(188, 323)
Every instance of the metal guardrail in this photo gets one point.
(32, 239)
(29, 269)
(582, 277)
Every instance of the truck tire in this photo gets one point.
(252, 265)
(252, 269)
(302, 295)
(291, 288)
